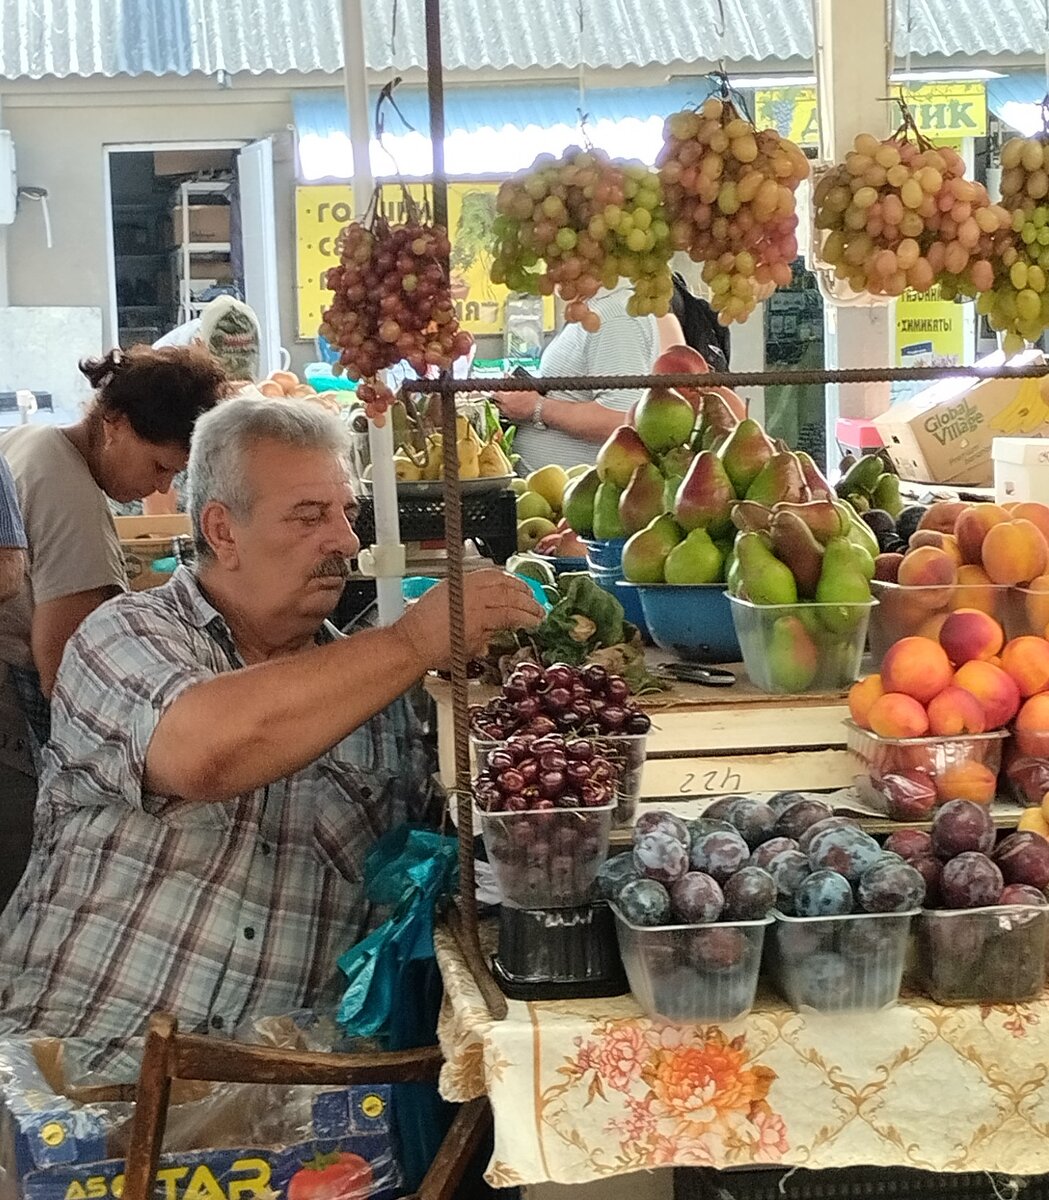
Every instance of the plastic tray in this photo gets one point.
(822, 644)
(918, 611)
(1027, 613)
(668, 975)
(547, 859)
(983, 955)
(840, 964)
(931, 756)
(1027, 766)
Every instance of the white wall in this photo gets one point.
(59, 136)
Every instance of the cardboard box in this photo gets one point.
(222, 1140)
(1021, 470)
(207, 223)
(145, 540)
(944, 434)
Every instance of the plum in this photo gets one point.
(796, 942)
(909, 843)
(699, 826)
(960, 826)
(658, 821)
(1011, 970)
(644, 902)
(847, 850)
(696, 899)
(750, 895)
(909, 795)
(971, 880)
(1024, 858)
(781, 801)
(813, 831)
(823, 894)
(867, 941)
(719, 810)
(717, 949)
(788, 869)
(931, 870)
(890, 887)
(1022, 893)
(767, 851)
(719, 854)
(822, 982)
(793, 821)
(661, 857)
(614, 874)
(753, 819)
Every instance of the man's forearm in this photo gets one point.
(588, 420)
(244, 729)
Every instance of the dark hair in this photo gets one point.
(161, 392)
(700, 326)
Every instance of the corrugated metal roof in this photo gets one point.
(41, 38)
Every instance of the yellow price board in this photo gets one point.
(930, 332)
(321, 211)
(941, 111)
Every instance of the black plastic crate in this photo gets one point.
(849, 1183)
(489, 518)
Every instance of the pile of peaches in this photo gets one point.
(967, 682)
(969, 556)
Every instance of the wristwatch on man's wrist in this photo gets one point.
(537, 415)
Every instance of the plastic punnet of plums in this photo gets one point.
(392, 302)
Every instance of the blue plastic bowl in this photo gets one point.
(563, 566)
(608, 555)
(633, 609)
(694, 622)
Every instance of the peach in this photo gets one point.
(895, 715)
(861, 696)
(1034, 820)
(955, 711)
(903, 609)
(942, 515)
(994, 688)
(972, 527)
(1015, 552)
(927, 566)
(1026, 659)
(1045, 806)
(1033, 717)
(1037, 514)
(968, 633)
(967, 781)
(976, 589)
(946, 542)
(918, 667)
(1036, 602)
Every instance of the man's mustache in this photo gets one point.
(335, 565)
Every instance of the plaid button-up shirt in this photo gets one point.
(218, 912)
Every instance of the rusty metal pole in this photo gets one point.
(463, 917)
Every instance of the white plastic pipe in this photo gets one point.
(388, 554)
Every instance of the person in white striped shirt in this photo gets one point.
(568, 427)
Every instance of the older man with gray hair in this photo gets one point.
(221, 759)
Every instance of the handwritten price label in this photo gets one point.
(720, 781)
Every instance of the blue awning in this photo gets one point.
(1016, 100)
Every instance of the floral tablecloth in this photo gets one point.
(586, 1089)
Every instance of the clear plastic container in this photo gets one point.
(840, 964)
(691, 973)
(1027, 613)
(1027, 766)
(905, 611)
(547, 859)
(908, 777)
(630, 749)
(983, 955)
(789, 649)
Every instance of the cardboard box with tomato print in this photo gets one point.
(223, 1142)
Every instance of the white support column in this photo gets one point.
(3, 240)
(852, 69)
(387, 557)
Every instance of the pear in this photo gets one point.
(843, 581)
(642, 499)
(405, 469)
(645, 554)
(518, 486)
(779, 480)
(814, 477)
(749, 517)
(764, 578)
(620, 456)
(663, 419)
(577, 470)
(531, 504)
(791, 656)
(550, 482)
(747, 450)
(579, 502)
(705, 498)
(695, 560)
(794, 543)
(826, 518)
(716, 423)
(607, 524)
(494, 462)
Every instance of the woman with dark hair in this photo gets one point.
(132, 441)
